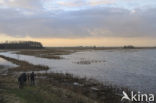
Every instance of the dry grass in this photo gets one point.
(55, 88)
(46, 53)
(41, 93)
(24, 66)
(89, 88)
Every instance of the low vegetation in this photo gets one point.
(41, 93)
(54, 88)
(46, 53)
(86, 62)
(24, 66)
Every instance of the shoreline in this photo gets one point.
(88, 88)
(58, 52)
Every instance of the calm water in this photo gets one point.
(128, 68)
(5, 65)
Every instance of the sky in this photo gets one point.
(79, 22)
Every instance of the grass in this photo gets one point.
(89, 88)
(24, 66)
(55, 88)
(46, 53)
(10, 93)
(33, 95)
(2, 67)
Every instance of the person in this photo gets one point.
(28, 78)
(22, 80)
(32, 78)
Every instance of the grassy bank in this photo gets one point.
(46, 53)
(24, 66)
(9, 93)
(55, 88)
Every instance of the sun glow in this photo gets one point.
(90, 41)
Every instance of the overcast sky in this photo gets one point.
(79, 20)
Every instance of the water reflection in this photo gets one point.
(5, 65)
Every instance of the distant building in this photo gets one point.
(21, 45)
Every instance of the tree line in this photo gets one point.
(21, 45)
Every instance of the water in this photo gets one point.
(135, 69)
(5, 65)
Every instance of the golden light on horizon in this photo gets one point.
(90, 41)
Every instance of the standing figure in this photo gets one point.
(22, 80)
(28, 78)
(32, 77)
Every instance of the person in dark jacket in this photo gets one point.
(32, 78)
(22, 80)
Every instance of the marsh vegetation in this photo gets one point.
(54, 87)
(46, 53)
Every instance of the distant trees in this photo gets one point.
(128, 47)
(21, 45)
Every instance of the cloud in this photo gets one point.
(72, 3)
(83, 3)
(22, 4)
(39, 5)
(92, 22)
(20, 18)
(100, 2)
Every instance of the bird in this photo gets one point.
(125, 96)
